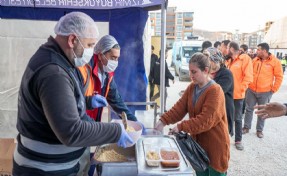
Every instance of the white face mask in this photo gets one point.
(111, 65)
(86, 57)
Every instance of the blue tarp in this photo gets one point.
(126, 25)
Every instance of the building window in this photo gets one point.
(170, 18)
(178, 34)
(188, 28)
(152, 15)
(187, 34)
(169, 29)
(169, 23)
(179, 28)
(158, 15)
(179, 21)
(179, 15)
(188, 14)
(157, 33)
(158, 22)
(157, 28)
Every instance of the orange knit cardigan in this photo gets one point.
(207, 123)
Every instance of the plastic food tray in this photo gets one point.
(159, 142)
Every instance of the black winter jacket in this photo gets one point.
(225, 79)
(155, 74)
(52, 116)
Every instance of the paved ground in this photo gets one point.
(264, 157)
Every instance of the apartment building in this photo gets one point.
(179, 25)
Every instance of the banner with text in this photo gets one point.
(81, 4)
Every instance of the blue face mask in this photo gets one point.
(86, 57)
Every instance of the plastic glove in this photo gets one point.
(143, 128)
(159, 126)
(99, 101)
(124, 139)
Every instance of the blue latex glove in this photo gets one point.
(143, 128)
(99, 101)
(124, 139)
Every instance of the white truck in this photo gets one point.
(181, 53)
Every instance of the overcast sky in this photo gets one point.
(229, 15)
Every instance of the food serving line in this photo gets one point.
(146, 158)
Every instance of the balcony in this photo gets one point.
(188, 29)
(188, 18)
(187, 14)
(188, 23)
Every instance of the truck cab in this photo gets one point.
(181, 54)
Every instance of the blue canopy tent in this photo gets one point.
(127, 20)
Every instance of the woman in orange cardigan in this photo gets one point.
(204, 101)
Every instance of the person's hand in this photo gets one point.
(268, 110)
(143, 128)
(125, 138)
(99, 101)
(159, 126)
(173, 130)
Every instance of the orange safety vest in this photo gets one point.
(94, 86)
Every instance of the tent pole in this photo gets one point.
(162, 57)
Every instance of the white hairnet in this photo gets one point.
(105, 44)
(77, 23)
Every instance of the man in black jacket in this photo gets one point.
(54, 129)
(153, 59)
(156, 76)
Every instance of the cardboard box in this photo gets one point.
(7, 146)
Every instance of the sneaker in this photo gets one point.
(245, 130)
(259, 134)
(239, 145)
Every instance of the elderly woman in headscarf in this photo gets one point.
(98, 77)
(222, 76)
